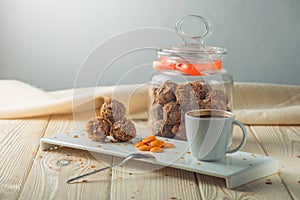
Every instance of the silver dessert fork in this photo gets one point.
(130, 156)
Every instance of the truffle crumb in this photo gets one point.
(268, 182)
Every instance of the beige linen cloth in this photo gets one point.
(254, 103)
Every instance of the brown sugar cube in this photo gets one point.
(159, 128)
(123, 130)
(171, 113)
(165, 93)
(186, 97)
(156, 112)
(112, 110)
(97, 129)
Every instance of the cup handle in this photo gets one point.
(243, 140)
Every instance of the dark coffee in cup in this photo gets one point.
(211, 116)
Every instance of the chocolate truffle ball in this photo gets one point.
(156, 112)
(123, 130)
(186, 97)
(165, 93)
(159, 128)
(97, 129)
(171, 113)
(112, 110)
(179, 131)
(218, 95)
(215, 99)
(200, 89)
(214, 104)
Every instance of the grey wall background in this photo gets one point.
(43, 42)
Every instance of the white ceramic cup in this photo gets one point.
(209, 132)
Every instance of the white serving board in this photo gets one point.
(237, 168)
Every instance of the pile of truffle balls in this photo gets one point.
(111, 122)
(171, 101)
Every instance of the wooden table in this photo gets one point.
(26, 172)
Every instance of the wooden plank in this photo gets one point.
(138, 180)
(19, 141)
(215, 188)
(283, 142)
(47, 179)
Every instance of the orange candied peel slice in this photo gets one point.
(149, 139)
(156, 149)
(150, 143)
(157, 143)
(168, 145)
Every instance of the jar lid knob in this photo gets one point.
(185, 36)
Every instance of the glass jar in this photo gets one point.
(187, 77)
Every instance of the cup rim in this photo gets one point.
(202, 112)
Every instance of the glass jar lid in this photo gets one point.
(194, 51)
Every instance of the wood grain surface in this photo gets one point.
(283, 142)
(26, 172)
(19, 142)
(47, 179)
